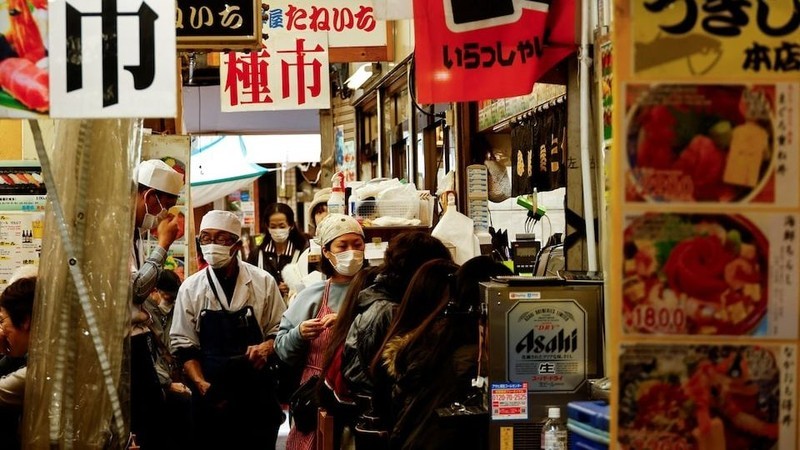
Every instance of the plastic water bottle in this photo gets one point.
(554, 432)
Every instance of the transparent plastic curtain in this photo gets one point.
(76, 373)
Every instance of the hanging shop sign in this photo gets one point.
(24, 92)
(289, 72)
(233, 24)
(463, 48)
(353, 32)
(704, 37)
(112, 58)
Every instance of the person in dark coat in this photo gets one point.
(432, 365)
(405, 253)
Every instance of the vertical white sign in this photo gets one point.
(289, 72)
(112, 58)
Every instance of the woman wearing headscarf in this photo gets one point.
(305, 329)
(282, 244)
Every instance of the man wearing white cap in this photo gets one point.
(158, 189)
(223, 331)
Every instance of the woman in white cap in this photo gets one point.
(300, 273)
(225, 320)
(305, 329)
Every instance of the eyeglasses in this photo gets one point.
(219, 239)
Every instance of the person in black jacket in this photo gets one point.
(282, 244)
(405, 253)
(432, 360)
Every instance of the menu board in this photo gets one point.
(704, 208)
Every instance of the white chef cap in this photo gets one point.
(335, 225)
(156, 174)
(222, 220)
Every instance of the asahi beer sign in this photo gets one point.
(112, 58)
(547, 344)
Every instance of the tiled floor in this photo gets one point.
(282, 433)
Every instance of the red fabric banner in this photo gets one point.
(468, 50)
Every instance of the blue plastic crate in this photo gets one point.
(593, 414)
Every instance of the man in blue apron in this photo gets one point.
(223, 330)
(158, 189)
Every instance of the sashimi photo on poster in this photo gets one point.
(711, 143)
(706, 397)
(24, 76)
(711, 274)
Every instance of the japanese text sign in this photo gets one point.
(235, 23)
(463, 48)
(685, 38)
(105, 61)
(346, 23)
(289, 72)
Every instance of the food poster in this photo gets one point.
(709, 38)
(24, 76)
(20, 242)
(705, 199)
(718, 143)
(707, 397)
(711, 274)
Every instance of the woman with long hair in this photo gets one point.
(282, 244)
(306, 327)
(432, 354)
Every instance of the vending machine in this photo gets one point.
(545, 341)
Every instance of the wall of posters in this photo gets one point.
(704, 210)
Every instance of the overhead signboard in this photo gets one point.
(229, 25)
(112, 58)
(352, 30)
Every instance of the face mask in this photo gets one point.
(279, 235)
(217, 256)
(150, 221)
(349, 262)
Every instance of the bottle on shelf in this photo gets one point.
(554, 432)
(336, 201)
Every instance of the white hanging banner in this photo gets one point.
(112, 58)
(347, 23)
(289, 72)
(393, 9)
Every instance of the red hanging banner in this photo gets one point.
(467, 50)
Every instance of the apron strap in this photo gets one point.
(214, 288)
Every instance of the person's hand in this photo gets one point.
(284, 288)
(310, 329)
(329, 320)
(203, 386)
(179, 388)
(258, 354)
(168, 231)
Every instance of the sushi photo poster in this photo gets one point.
(24, 79)
(704, 206)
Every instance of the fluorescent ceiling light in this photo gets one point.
(361, 75)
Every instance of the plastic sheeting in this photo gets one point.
(75, 364)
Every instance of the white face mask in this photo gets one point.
(150, 221)
(279, 235)
(217, 256)
(349, 262)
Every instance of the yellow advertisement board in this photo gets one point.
(726, 39)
